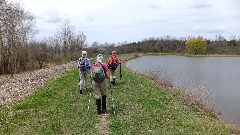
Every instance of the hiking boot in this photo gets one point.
(104, 107)
(81, 92)
(98, 103)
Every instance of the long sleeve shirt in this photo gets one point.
(114, 59)
(83, 63)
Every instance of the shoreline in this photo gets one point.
(187, 97)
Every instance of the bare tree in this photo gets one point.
(3, 10)
(66, 43)
(67, 34)
(15, 26)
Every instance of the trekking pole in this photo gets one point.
(89, 100)
(90, 94)
(113, 106)
(120, 70)
(79, 81)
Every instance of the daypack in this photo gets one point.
(112, 65)
(83, 65)
(98, 73)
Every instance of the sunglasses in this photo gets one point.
(84, 54)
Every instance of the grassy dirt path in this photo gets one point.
(102, 126)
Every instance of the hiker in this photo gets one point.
(99, 74)
(84, 67)
(113, 62)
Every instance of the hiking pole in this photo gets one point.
(79, 72)
(113, 106)
(120, 70)
(90, 94)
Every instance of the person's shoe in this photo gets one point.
(81, 92)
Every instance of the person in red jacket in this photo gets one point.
(113, 62)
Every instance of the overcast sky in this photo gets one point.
(133, 20)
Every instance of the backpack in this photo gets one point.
(82, 64)
(98, 73)
(112, 65)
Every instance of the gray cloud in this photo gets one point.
(153, 6)
(133, 20)
(50, 16)
(200, 4)
(149, 5)
(210, 29)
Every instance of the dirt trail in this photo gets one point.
(102, 126)
(20, 85)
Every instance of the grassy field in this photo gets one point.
(57, 108)
(142, 107)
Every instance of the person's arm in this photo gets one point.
(91, 70)
(88, 64)
(106, 72)
(109, 60)
(117, 61)
(107, 76)
(78, 63)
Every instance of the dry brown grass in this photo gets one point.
(160, 77)
(196, 97)
(20, 85)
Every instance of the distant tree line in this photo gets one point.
(168, 44)
(19, 51)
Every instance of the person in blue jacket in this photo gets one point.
(84, 66)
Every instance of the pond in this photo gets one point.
(220, 76)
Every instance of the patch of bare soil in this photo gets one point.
(20, 85)
(102, 126)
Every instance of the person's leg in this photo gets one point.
(81, 80)
(103, 88)
(114, 76)
(85, 79)
(97, 93)
(98, 104)
(111, 75)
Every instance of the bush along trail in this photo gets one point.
(141, 107)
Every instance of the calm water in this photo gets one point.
(219, 75)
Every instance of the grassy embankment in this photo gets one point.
(142, 108)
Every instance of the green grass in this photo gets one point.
(57, 108)
(145, 108)
(142, 107)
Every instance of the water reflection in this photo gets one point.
(220, 75)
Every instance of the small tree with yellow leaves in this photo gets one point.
(196, 46)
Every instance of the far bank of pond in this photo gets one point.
(218, 76)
